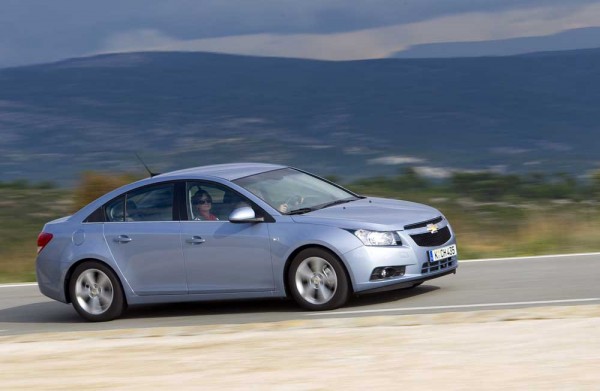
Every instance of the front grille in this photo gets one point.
(442, 264)
(423, 223)
(430, 240)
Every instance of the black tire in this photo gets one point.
(96, 292)
(312, 288)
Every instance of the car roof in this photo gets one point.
(229, 172)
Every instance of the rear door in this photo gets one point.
(143, 232)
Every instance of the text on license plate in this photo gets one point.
(442, 253)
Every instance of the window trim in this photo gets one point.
(179, 202)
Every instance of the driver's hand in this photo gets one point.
(295, 200)
(283, 208)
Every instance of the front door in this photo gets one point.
(220, 256)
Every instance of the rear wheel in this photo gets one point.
(96, 292)
(317, 280)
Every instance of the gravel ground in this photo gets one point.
(535, 348)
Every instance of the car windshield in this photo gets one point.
(294, 192)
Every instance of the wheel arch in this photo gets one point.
(293, 254)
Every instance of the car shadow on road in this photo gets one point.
(45, 312)
(225, 307)
(234, 311)
(389, 296)
(60, 313)
(258, 306)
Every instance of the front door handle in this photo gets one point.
(195, 240)
(122, 239)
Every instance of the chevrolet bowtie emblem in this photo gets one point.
(432, 228)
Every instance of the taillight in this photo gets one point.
(43, 239)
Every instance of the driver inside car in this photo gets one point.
(288, 205)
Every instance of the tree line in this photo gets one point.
(480, 186)
(491, 186)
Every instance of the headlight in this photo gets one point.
(377, 238)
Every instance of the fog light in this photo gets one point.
(382, 273)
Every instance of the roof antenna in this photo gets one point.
(152, 174)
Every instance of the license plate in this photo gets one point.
(442, 253)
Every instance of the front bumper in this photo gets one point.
(362, 261)
(408, 283)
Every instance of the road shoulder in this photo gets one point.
(544, 347)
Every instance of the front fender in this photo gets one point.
(289, 238)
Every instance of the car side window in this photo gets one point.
(115, 210)
(207, 201)
(153, 203)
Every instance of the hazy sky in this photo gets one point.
(33, 31)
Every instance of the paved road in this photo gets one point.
(478, 285)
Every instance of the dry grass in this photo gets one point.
(23, 213)
(549, 231)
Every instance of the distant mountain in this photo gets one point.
(536, 112)
(582, 38)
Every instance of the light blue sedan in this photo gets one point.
(238, 231)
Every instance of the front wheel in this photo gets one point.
(96, 292)
(317, 280)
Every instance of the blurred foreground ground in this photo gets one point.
(540, 348)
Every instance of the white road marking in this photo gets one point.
(445, 307)
(17, 285)
(536, 257)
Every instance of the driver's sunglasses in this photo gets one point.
(202, 202)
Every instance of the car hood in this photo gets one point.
(371, 213)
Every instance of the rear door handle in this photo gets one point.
(195, 240)
(122, 239)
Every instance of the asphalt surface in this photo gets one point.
(478, 285)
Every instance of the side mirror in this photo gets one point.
(244, 214)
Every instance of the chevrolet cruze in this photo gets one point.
(238, 231)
